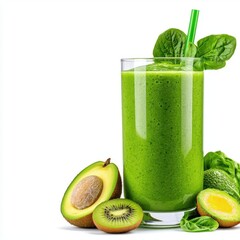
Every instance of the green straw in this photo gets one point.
(191, 29)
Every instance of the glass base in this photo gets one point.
(163, 219)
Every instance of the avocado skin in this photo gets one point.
(218, 179)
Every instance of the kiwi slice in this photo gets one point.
(117, 215)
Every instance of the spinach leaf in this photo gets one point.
(199, 224)
(219, 160)
(170, 43)
(215, 50)
(191, 223)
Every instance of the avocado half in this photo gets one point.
(111, 188)
(220, 206)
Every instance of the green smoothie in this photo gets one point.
(162, 113)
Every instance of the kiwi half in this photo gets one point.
(117, 216)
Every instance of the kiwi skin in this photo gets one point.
(117, 230)
(109, 229)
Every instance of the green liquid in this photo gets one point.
(162, 138)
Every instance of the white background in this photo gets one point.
(60, 100)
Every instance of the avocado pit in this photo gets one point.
(86, 192)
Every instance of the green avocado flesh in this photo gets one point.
(219, 205)
(108, 174)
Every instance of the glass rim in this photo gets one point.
(159, 58)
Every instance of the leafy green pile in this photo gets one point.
(214, 50)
